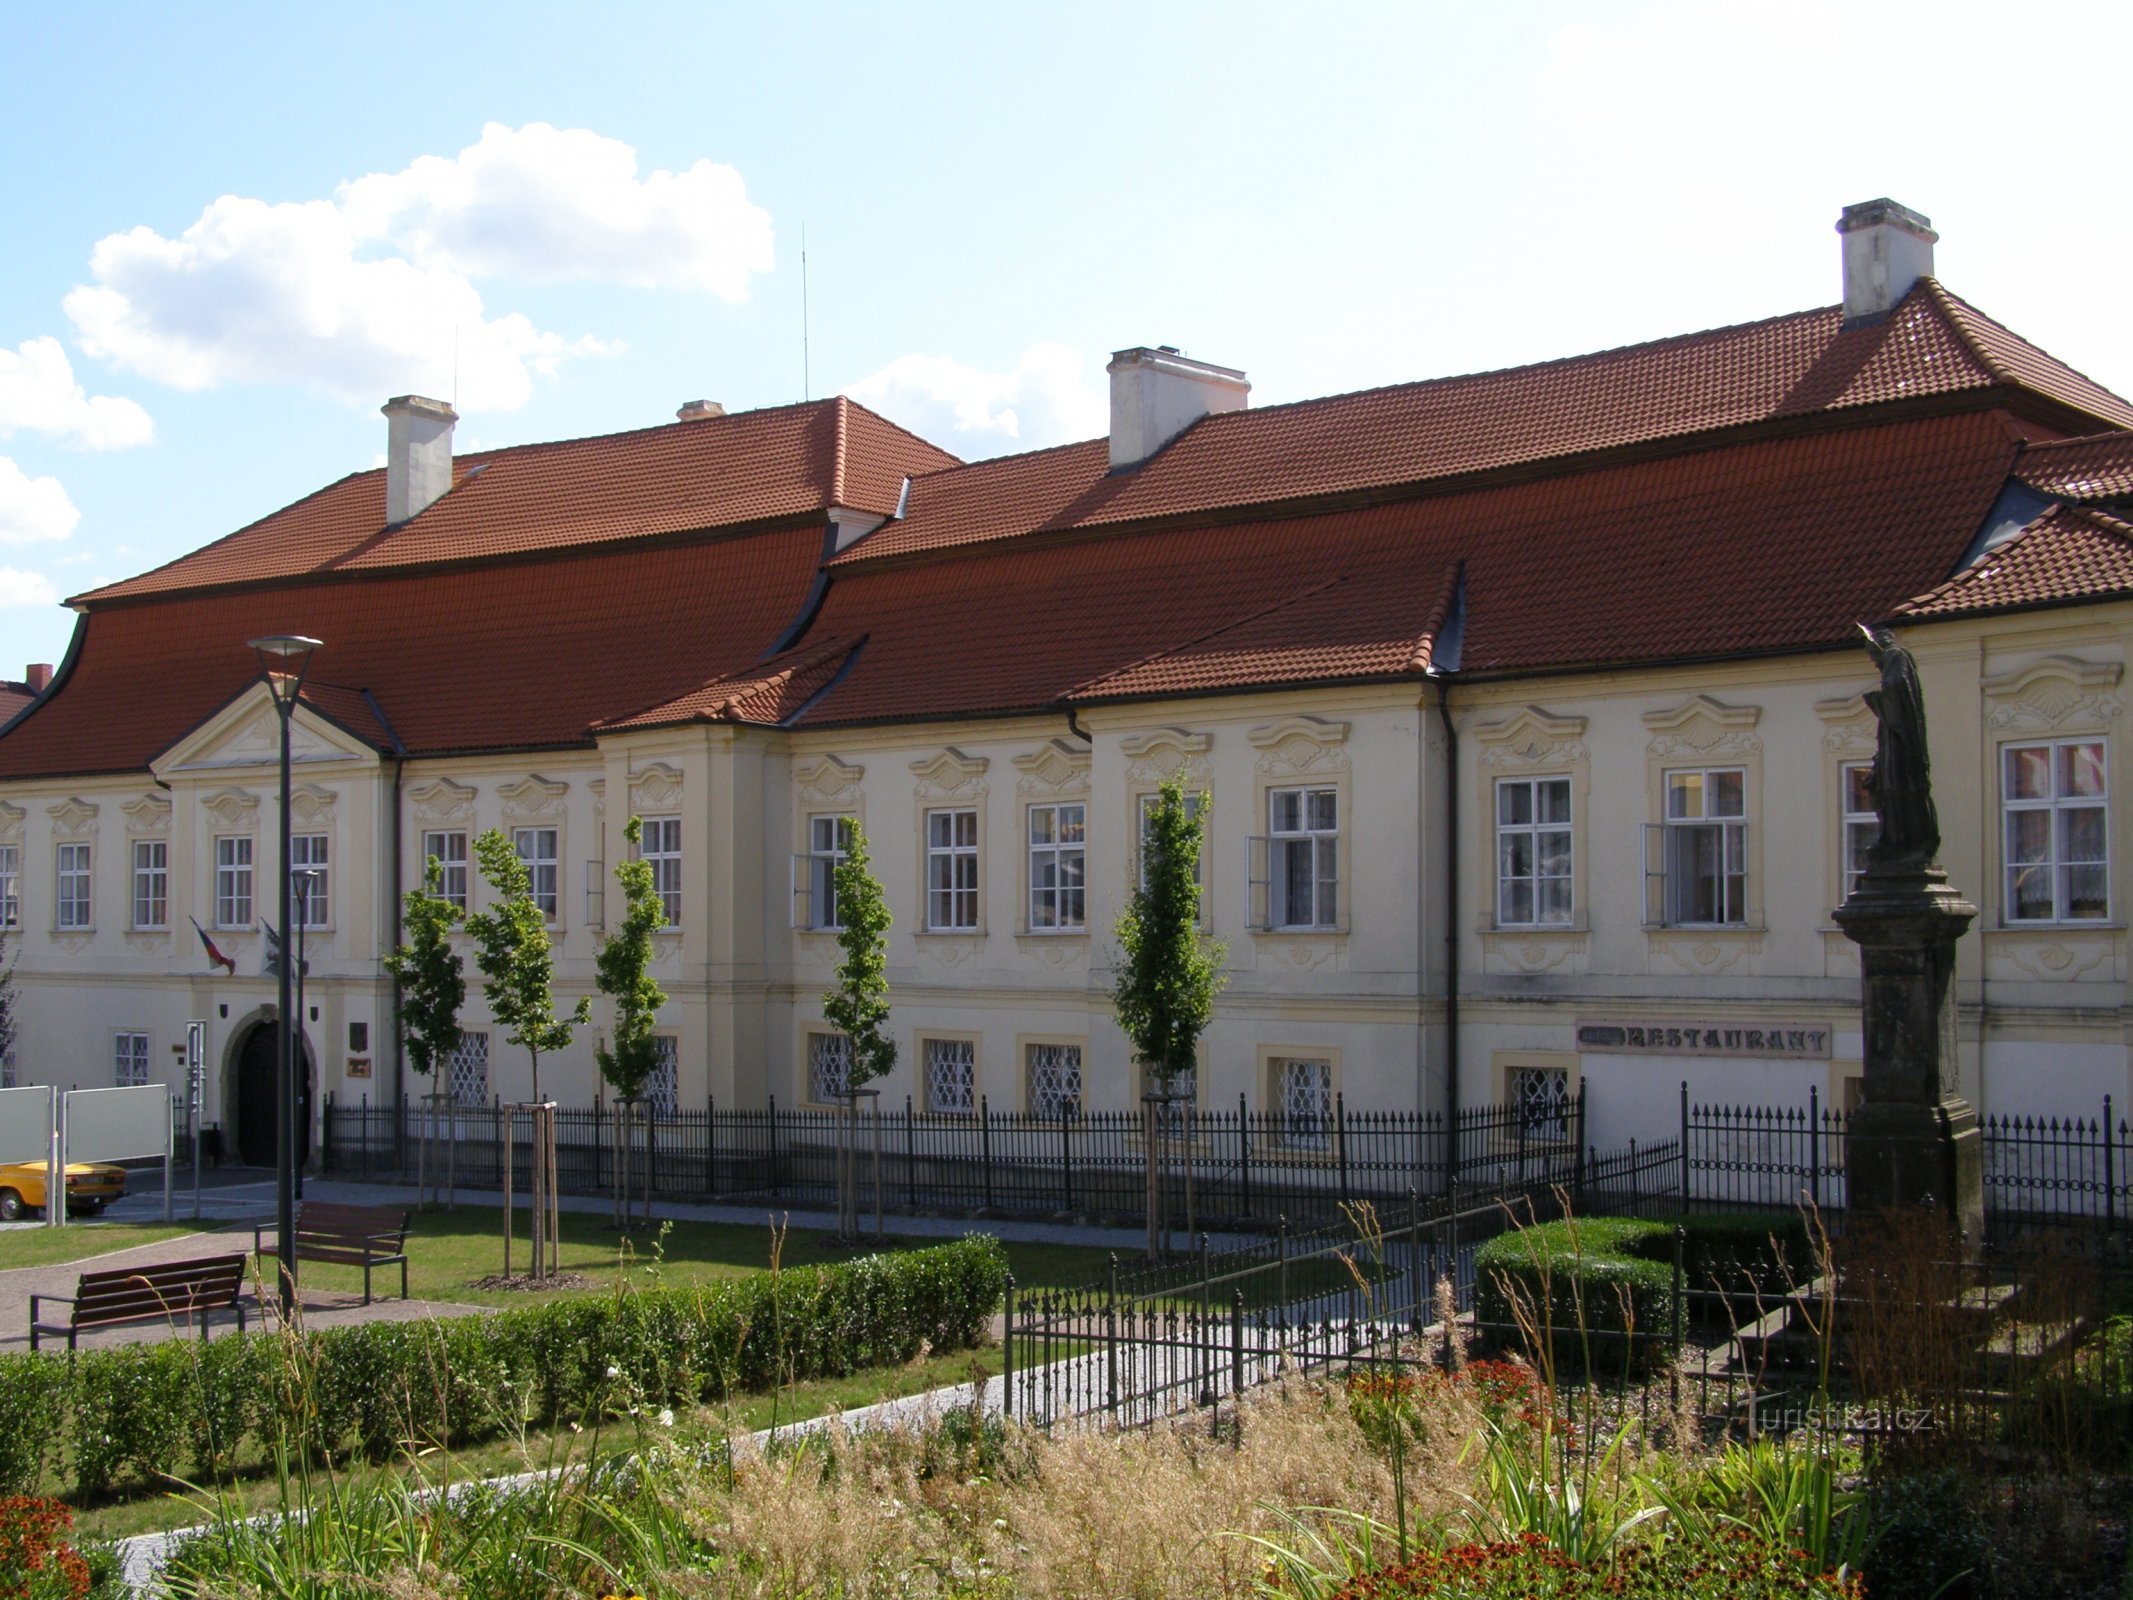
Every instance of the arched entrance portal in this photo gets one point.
(257, 1062)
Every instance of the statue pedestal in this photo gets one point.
(1913, 1141)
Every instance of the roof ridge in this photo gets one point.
(1960, 309)
(1019, 455)
(840, 430)
(1426, 641)
(624, 433)
(1216, 632)
(2080, 441)
(797, 660)
(1946, 302)
(954, 460)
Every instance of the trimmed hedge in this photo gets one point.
(1592, 1262)
(1735, 1567)
(148, 1411)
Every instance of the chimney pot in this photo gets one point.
(1887, 249)
(418, 455)
(38, 675)
(1157, 394)
(699, 410)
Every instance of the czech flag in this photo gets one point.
(215, 957)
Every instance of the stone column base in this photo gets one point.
(1901, 1156)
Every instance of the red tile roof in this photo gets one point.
(463, 658)
(1780, 544)
(13, 697)
(2098, 467)
(1380, 440)
(749, 468)
(769, 694)
(2068, 555)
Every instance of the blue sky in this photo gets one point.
(230, 232)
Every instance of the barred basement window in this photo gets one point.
(1054, 1080)
(469, 1070)
(1541, 1098)
(662, 1090)
(151, 883)
(1303, 1100)
(952, 1077)
(449, 851)
(129, 1059)
(829, 1067)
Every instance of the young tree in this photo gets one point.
(7, 999)
(511, 947)
(858, 1007)
(433, 986)
(1168, 971)
(625, 963)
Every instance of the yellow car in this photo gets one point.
(90, 1187)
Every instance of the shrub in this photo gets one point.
(1590, 1280)
(1735, 1568)
(1929, 1540)
(146, 1410)
(1745, 1253)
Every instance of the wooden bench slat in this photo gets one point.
(156, 1292)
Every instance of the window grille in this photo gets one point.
(129, 1064)
(469, 1070)
(1541, 1096)
(662, 1090)
(829, 1067)
(1055, 1080)
(1303, 1098)
(952, 1077)
(2058, 831)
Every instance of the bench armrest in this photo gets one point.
(35, 1299)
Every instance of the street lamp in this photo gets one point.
(284, 658)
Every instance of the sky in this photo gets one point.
(228, 233)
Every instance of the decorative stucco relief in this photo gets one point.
(1533, 738)
(308, 803)
(824, 780)
(1531, 952)
(147, 814)
(533, 798)
(1294, 745)
(73, 817)
(11, 820)
(1696, 952)
(1704, 728)
(232, 809)
(655, 787)
(2058, 693)
(1849, 734)
(950, 775)
(1164, 753)
(1054, 768)
(442, 800)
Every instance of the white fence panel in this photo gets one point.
(118, 1124)
(25, 1124)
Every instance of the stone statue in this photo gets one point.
(1901, 781)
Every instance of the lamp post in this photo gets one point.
(284, 658)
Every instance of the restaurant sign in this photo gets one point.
(1705, 1039)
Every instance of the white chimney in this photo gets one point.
(699, 410)
(1887, 248)
(418, 455)
(1157, 394)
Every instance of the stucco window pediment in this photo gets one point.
(1300, 744)
(1848, 730)
(1167, 752)
(655, 787)
(533, 798)
(442, 800)
(950, 774)
(232, 810)
(147, 814)
(1532, 737)
(11, 820)
(73, 817)
(1704, 728)
(825, 781)
(2057, 694)
(1056, 768)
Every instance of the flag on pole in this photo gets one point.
(215, 957)
(270, 962)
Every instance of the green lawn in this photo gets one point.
(79, 1241)
(449, 1251)
(255, 1488)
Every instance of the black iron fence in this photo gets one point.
(1221, 1168)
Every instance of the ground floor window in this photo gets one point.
(469, 1070)
(662, 1090)
(829, 1067)
(952, 1077)
(1054, 1080)
(129, 1059)
(1303, 1100)
(1540, 1096)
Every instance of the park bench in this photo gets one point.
(354, 1236)
(160, 1293)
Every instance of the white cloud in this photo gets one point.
(1049, 397)
(33, 509)
(372, 293)
(19, 588)
(38, 392)
(555, 203)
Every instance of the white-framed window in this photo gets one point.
(151, 883)
(129, 1059)
(1861, 823)
(662, 1090)
(814, 871)
(449, 849)
(1054, 1080)
(233, 881)
(952, 870)
(1058, 838)
(2055, 796)
(1700, 853)
(1533, 853)
(1298, 881)
(952, 1077)
(829, 1067)
(10, 885)
(537, 848)
(1147, 824)
(662, 848)
(1303, 1100)
(308, 852)
(74, 901)
(468, 1070)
